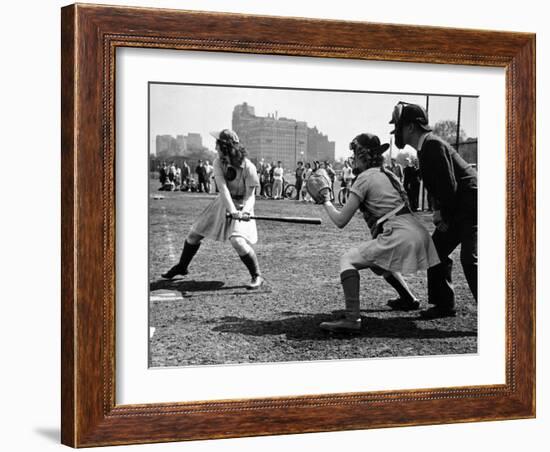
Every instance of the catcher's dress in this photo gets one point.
(400, 243)
(212, 222)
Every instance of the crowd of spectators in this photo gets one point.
(183, 178)
(273, 182)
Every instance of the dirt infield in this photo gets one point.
(209, 317)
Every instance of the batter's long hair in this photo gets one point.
(233, 152)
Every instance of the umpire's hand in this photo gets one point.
(440, 225)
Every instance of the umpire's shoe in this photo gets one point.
(438, 312)
(342, 326)
(255, 283)
(175, 271)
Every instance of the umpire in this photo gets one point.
(452, 183)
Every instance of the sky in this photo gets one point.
(178, 109)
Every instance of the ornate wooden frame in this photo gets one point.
(90, 36)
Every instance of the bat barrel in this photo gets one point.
(296, 220)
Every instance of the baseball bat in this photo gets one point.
(298, 220)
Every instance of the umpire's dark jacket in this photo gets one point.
(449, 179)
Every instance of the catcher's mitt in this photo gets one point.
(318, 186)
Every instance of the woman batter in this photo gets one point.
(236, 178)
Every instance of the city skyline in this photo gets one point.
(279, 139)
(181, 109)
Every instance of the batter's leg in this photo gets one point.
(250, 260)
(190, 248)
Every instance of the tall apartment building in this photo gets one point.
(168, 146)
(272, 138)
(194, 141)
(318, 146)
(182, 145)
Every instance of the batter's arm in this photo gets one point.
(226, 196)
(249, 199)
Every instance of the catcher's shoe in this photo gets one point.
(255, 283)
(175, 271)
(398, 304)
(342, 326)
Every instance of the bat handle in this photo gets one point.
(228, 215)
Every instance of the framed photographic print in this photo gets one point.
(260, 217)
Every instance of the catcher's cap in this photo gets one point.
(370, 142)
(226, 135)
(404, 113)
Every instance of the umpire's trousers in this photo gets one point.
(463, 232)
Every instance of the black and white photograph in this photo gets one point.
(236, 225)
(292, 225)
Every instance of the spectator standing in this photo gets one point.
(177, 178)
(163, 174)
(172, 172)
(300, 170)
(271, 170)
(331, 174)
(201, 176)
(307, 173)
(185, 175)
(347, 175)
(278, 181)
(264, 177)
(259, 168)
(209, 175)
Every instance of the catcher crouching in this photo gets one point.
(399, 244)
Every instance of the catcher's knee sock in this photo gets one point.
(187, 254)
(402, 290)
(350, 284)
(251, 261)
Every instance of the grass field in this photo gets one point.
(208, 317)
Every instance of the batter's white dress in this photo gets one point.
(212, 222)
(404, 245)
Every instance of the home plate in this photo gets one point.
(158, 196)
(151, 331)
(165, 297)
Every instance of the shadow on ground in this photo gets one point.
(189, 289)
(306, 327)
(187, 285)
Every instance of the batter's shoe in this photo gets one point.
(398, 304)
(342, 326)
(437, 313)
(175, 271)
(255, 283)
